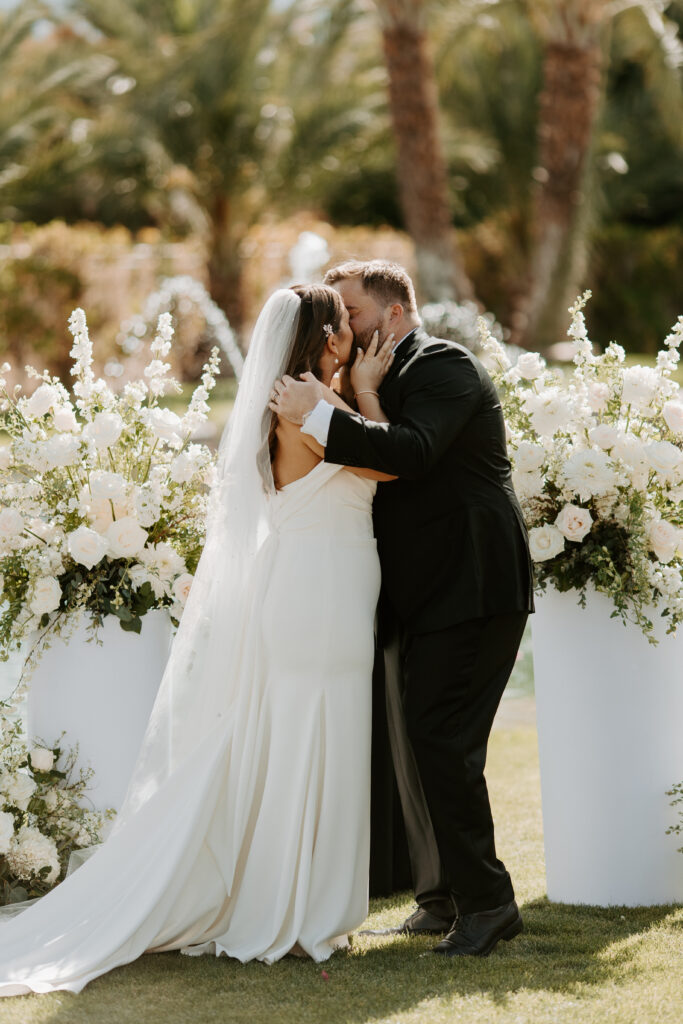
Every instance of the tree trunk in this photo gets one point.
(421, 167)
(569, 104)
(224, 265)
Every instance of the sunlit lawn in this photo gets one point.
(577, 965)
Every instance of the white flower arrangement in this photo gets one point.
(597, 461)
(102, 497)
(42, 817)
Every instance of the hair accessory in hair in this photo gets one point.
(328, 329)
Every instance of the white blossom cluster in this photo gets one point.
(99, 483)
(42, 819)
(597, 462)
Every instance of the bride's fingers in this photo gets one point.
(374, 343)
(359, 357)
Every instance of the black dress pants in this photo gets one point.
(454, 680)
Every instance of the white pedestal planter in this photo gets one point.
(610, 736)
(101, 697)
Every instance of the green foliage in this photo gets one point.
(677, 793)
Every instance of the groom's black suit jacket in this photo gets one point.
(450, 532)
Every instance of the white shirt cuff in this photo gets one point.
(317, 423)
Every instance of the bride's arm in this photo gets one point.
(369, 474)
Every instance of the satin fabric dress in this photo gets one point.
(262, 840)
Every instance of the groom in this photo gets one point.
(457, 584)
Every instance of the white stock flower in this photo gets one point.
(673, 416)
(165, 424)
(30, 851)
(6, 831)
(42, 400)
(11, 524)
(528, 456)
(549, 411)
(64, 419)
(530, 365)
(663, 539)
(110, 486)
(588, 473)
(62, 450)
(185, 465)
(46, 595)
(604, 436)
(126, 537)
(545, 542)
(666, 459)
(182, 586)
(17, 788)
(574, 522)
(42, 759)
(87, 546)
(598, 396)
(104, 430)
(147, 507)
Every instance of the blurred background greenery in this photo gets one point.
(509, 152)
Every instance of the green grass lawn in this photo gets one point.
(581, 965)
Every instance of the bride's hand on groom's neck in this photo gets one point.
(293, 399)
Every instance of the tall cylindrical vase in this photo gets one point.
(610, 737)
(101, 697)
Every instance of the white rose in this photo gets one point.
(105, 429)
(86, 546)
(64, 418)
(6, 831)
(62, 450)
(665, 458)
(182, 586)
(126, 537)
(530, 365)
(574, 522)
(598, 396)
(18, 789)
(111, 486)
(604, 436)
(663, 539)
(166, 425)
(42, 759)
(673, 416)
(46, 595)
(545, 542)
(11, 523)
(527, 456)
(42, 400)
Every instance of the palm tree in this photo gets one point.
(421, 167)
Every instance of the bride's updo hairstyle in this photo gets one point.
(320, 306)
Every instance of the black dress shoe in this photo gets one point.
(419, 923)
(478, 934)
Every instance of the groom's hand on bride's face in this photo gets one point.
(293, 399)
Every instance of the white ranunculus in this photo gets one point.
(46, 595)
(165, 424)
(574, 522)
(62, 450)
(527, 456)
(42, 759)
(545, 542)
(589, 473)
(30, 851)
(528, 485)
(6, 831)
(530, 365)
(126, 537)
(663, 539)
(64, 419)
(604, 436)
(665, 458)
(110, 486)
(11, 523)
(42, 400)
(104, 430)
(18, 788)
(87, 546)
(182, 587)
(673, 416)
(598, 396)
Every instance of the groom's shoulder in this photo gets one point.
(431, 346)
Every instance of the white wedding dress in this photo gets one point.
(262, 839)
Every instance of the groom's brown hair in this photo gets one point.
(387, 282)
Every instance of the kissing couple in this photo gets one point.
(246, 827)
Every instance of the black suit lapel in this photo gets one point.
(406, 350)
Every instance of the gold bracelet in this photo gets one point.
(366, 393)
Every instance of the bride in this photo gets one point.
(245, 830)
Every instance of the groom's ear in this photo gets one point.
(396, 312)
